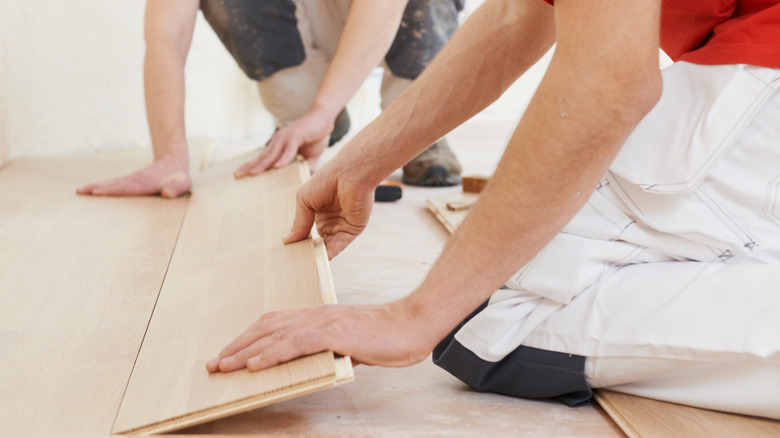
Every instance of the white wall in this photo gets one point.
(4, 20)
(71, 80)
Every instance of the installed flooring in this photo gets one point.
(79, 278)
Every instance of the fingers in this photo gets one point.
(267, 343)
(86, 190)
(304, 219)
(239, 360)
(259, 164)
(335, 244)
(262, 327)
(128, 186)
(286, 157)
(139, 185)
(167, 176)
(250, 336)
(278, 153)
(283, 351)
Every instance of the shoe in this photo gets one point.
(340, 127)
(436, 166)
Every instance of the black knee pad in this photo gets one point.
(262, 35)
(526, 372)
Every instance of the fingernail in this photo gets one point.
(253, 362)
(213, 363)
(286, 237)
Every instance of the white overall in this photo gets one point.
(668, 280)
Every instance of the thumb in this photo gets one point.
(179, 185)
(304, 219)
(337, 243)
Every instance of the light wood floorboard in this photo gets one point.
(78, 279)
(229, 267)
(641, 417)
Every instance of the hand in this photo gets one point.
(385, 335)
(168, 176)
(341, 209)
(307, 136)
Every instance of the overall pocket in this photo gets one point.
(701, 114)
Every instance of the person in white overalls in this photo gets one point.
(630, 236)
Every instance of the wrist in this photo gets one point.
(176, 157)
(325, 110)
(429, 321)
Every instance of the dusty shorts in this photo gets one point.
(263, 35)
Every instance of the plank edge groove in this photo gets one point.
(233, 408)
(151, 314)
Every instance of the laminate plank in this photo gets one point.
(641, 417)
(451, 219)
(78, 280)
(230, 266)
(387, 261)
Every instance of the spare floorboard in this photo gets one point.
(641, 417)
(230, 266)
(451, 219)
(78, 280)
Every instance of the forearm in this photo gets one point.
(164, 93)
(481, 61)
(580, 116)
(168, 33)
(367, 36)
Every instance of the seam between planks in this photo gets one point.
(149, 321)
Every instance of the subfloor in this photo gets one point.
(72, 271)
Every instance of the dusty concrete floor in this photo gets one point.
(387, 262)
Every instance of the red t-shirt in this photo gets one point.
(721, 31)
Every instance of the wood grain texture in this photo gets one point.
(451, 219)
(230, 266)
(474, 183)
(641, 417)
(78, 280)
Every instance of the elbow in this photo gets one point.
(160, 35)
(635, 93)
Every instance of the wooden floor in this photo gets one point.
(229, 265)
(79, 278)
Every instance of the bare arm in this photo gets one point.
(168, 28)
(367, 36)
(602, 80)
(498, 43)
